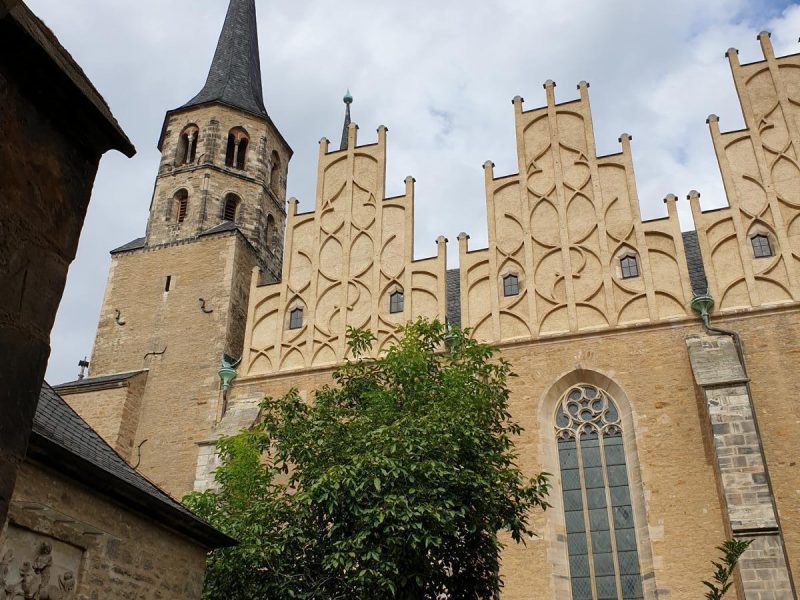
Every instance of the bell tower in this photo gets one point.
(176, 299)
(223, 161)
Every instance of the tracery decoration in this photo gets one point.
(601, 534)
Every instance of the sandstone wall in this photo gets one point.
(168, 333)
(110, 552)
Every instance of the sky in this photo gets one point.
(440, 75)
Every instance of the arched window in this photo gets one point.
(396, 302)
(629, 266)
(601, 534)
(296, 318)
(236, 150)
(275, 173)
(180, 205)
(269, 233)
(761, 246)
(187, 146)
(230, 206)
(510, 285)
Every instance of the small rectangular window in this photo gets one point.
(167, 283)
(510, 285)
(296, 318)
(396, 302)
(630, 267)
(761, 246)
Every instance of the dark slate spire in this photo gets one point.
(348, 100)
(235, 74)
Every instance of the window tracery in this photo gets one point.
(601, 534)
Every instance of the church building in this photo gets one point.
(656, 367)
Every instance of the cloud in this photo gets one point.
(440, 75)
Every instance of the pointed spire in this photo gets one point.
(235, 75)
(348, 100)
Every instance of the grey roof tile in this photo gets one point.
(453, 285)
(58, 423)
(235, 74)
(222, 227)
(99, 380)
(132, 245)
(694, 260)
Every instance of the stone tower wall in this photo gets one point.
(179, 339)
(208, 180)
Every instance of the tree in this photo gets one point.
(731, 550)
(393, 483)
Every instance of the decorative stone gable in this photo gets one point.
(342, 264)
(568, 231)
(751, 248)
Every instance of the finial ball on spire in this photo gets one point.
(348, 97)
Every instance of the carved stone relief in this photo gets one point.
(34, 566)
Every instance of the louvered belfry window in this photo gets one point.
(601, 537)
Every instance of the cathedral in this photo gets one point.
(656, 367)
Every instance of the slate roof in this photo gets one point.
(63, 441)
(222, 227)
(694, 260)
(132, 245)
(453, 291)
(89, 381)
(235, 75)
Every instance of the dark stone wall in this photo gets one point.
(46, 178)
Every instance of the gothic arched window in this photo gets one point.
(296, 318)
(629, 266)
(761, 245)
(601, 535)
(229, 209)
(396, 302)
(510, 285)
(180, 204)
(236, 150)
(187, 145)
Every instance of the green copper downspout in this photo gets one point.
(702, 304)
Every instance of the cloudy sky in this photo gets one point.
(440, 75)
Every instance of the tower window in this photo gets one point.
(296, 318)
(167, 283)
(186, 152)
(269, 235)
(229, 209)
(601, 534)
(275, 173)
(761, 246)
(236, 150)
(396, 302)
(629, 266)
(181, 205)
(510, 285)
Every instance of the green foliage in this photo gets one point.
(393, 483)
(731, 550)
